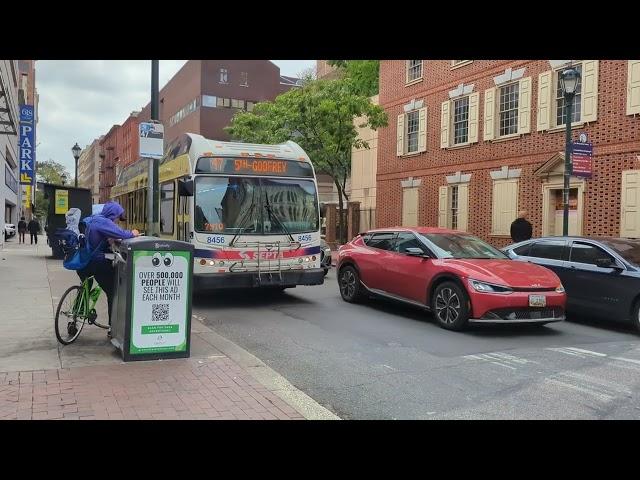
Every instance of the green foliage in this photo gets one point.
(320, 118)
(363, 73)
(51, 171)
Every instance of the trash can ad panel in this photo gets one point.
(160, 304)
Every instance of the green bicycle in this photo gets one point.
(77, 307)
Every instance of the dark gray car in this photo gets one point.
(601, 275)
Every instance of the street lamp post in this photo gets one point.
(63, 178)
(76, 154)
(569, 81)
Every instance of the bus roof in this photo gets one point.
(198, 146)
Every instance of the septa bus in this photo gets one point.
(250, 210)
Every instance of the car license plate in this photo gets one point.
(537, 301)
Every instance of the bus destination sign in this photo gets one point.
(254, 166)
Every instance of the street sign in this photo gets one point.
(62, 201)
(581, 154)
(151, 139)
(27, 146)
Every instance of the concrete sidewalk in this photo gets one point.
(41, 379)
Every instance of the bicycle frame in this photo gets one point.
(87, 300)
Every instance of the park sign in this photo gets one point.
(151, 139)
(581, 154)
(27, 146)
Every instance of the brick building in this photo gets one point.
(204, 95)
(469, 143)
(108, 161)
(128, 141)
(89, 169)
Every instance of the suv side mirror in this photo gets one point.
(185, 188)
(416, 252)
(606, 263)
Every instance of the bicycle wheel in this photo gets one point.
(68, 323)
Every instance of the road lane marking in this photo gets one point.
(488, 358)
(589, 381)
(630, 360)
(587, 352)
(390, 368)
(566, 352)
(594, 393)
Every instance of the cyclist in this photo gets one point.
(102, 231)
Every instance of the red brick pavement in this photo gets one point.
(155, 390)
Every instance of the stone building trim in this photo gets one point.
(461, 90)
(561, 63)
(508, 76)
(413, 105)
(459, 177)
(505, 172)
(411, 182)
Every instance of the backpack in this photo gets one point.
(77, 251)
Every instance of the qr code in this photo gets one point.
(159, 312)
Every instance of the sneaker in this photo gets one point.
(109, 334)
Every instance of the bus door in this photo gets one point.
(182, 213)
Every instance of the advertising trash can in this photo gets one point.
(151, 312)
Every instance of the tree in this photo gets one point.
(363, 73)
(48, 171)
(320, 118)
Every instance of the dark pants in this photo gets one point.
(21, 237)
(34, 236)
(104, 274)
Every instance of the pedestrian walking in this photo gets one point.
(34, 229)
(22, 229)
(521, 229)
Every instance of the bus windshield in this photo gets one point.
(239, 204)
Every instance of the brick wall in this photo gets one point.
(615, 136)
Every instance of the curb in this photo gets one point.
(272, 380)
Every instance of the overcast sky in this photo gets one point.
(81, 99)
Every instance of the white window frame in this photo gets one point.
(244, 79)
(223, 77)
(452, 121)
(554, 97)
(496, 125)
(407, 69)
(406, 133)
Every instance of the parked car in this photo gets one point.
(9, 230)
(325, 256)
(456, 276)
(601, 274)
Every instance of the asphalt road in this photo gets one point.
(382, 360)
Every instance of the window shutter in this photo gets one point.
(422, 130)
(589, 91)
(445, 121)
(474, 100)
(410, 207)
(545, 80)
(400, 136)
(505, 206)
(524, 108)
(442, 206)
(463, 207)
(489, 112)
(633, 87)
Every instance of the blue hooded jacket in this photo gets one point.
(103, 227)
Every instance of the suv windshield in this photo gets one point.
(627, 249)
(453, 245)
(238, 204)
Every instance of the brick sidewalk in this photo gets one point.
(208, 388)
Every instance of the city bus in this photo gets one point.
(250, 210)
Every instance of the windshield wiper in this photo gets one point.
(242, 222)
(273, 215)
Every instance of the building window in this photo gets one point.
(224, 75)
(414, 70)
(413, 127)
(237, 104)
(505, 206)
(243, 79)
(461, 121)
(250, 106)
(508, 109)
(453, 210)
(460, 63)
(208, 101)
(561, 108)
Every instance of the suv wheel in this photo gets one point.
(351, 289)
(450, 306)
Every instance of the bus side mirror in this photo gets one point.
(185, 188)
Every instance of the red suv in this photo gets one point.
(456, 276)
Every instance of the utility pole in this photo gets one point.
(153, 209)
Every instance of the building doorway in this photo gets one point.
(555, 212)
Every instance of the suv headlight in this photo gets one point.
(485, 287)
